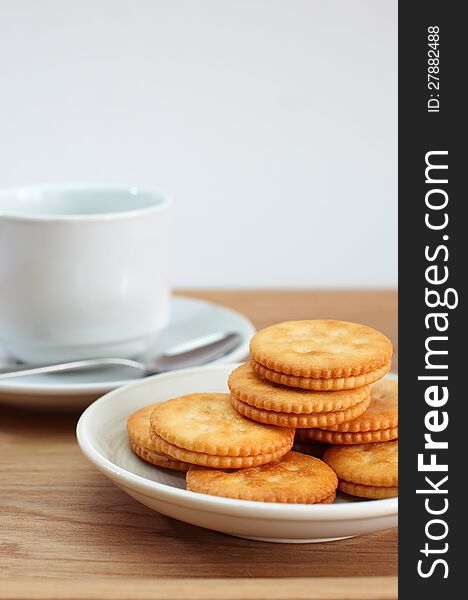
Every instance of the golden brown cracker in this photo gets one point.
(142, 445)
(382, 412)
(294, 478)
(348, 437)
(214, 461)
(321, 348)
(158, 459)
(367, 491)
(138, 425)
(257, 391)
(318, 384)
(366, 464)
(329, 500)
(281, 419)
(208, 423)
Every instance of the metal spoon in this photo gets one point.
(168, 361)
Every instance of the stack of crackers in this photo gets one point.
(314, 384)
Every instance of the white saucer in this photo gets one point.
(102, 436)
(190, 319)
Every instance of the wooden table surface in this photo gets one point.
(67, 532)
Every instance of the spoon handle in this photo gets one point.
(89, 363)
(164, 362)
(200, 355)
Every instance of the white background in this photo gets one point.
(271, 123)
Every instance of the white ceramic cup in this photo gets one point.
(82, 271)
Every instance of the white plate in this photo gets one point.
(190, 319)
(102, 436)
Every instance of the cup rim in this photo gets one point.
(163, 202)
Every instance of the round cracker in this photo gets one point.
(329, 500)
(318, 384)
(216, 462)
(348, 437)
(138, 426)
(142, 445)
(281, 419)
(321, 348)
(208, 423)
(247, 387)
(381, 414)
(366, 464)
(158, 459)
(295, 478)
(367, 491)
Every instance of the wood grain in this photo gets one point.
(320, 588)
(62, 523)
